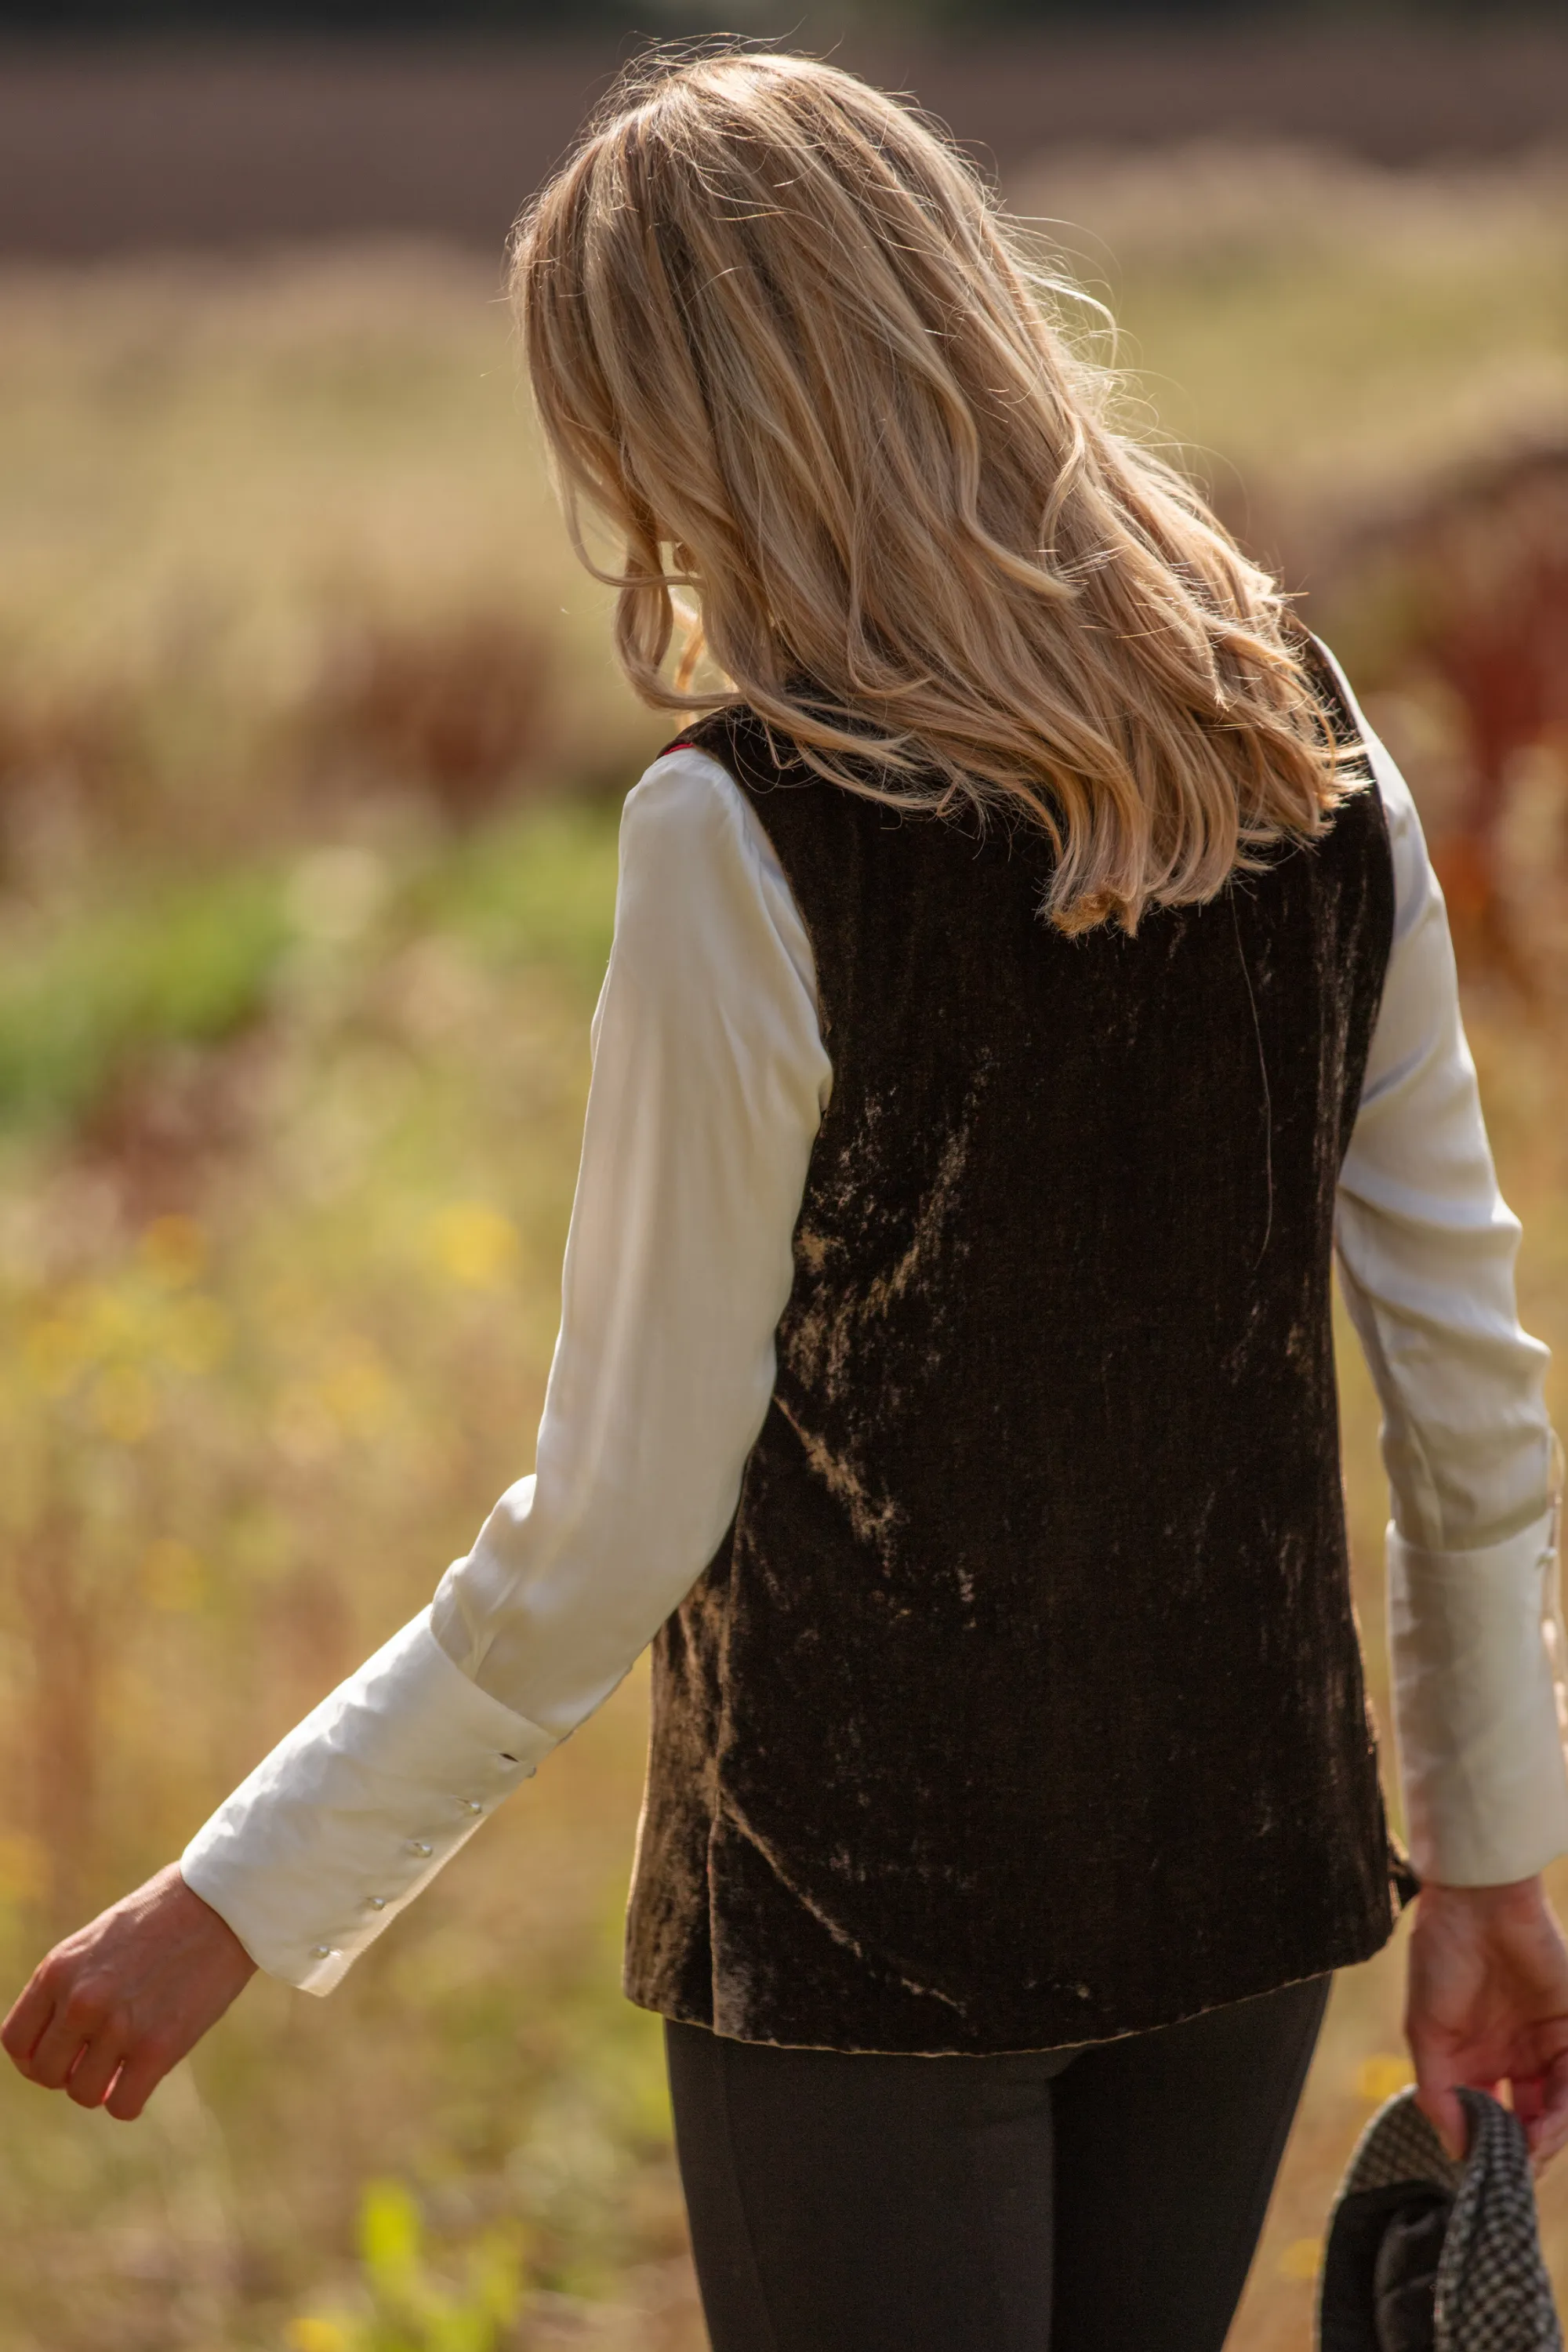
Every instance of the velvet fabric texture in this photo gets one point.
(1023, 1703)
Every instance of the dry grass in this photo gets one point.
(244, 507)
(296, 961)
(1320, 336)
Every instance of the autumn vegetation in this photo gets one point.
(310, 759)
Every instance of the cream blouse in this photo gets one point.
(709, 1078)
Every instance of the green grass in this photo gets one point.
(94, 992)
(536, 888)
(190, 967)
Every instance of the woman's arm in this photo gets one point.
(708, 1082)
(1427, 1250)
(707, 1087)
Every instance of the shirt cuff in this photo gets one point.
(357, 1809)
(1480, 1705)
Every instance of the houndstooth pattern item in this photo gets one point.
(1493, 2291)
(1493, 2294)
(1400, 2143)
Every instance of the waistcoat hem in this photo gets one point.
(1351, 1953)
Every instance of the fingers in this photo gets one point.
(1542, 2107)
(66, 2032)
(97, 2065)
(64, 2037)
(76, 2021)
(1447, 2117)
(29, 2014)
(140, 2076)
(68, 2039)
(1437, 2058)
(115, 2006)
(1441, 2106)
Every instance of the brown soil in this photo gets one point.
(111, 149)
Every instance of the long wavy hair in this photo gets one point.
(781, 337)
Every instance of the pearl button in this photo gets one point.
(321, 1951)
(418, 1845)
(472, 1805)
(376, 1902)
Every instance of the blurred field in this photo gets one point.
(169, 142)
(308, 761)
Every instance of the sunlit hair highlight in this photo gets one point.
(781, 338)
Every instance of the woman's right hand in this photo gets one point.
(108, 2012)
(1487, 2004)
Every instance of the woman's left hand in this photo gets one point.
(1487, 2004)
(109, 2011)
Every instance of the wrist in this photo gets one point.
(1516, 1898)
(206, 1920)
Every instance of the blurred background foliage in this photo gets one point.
(311, 753)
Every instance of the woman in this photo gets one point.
(1027, 970)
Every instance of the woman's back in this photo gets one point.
(1038, 1580)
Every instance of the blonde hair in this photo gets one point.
(779, 336)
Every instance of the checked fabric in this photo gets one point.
(1425, 2254)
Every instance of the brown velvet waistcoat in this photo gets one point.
(1022, 1704)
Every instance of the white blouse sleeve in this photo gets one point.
(1426, 1248)
(708, 1083)
(710, 1080)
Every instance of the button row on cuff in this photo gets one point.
(425, 1850)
